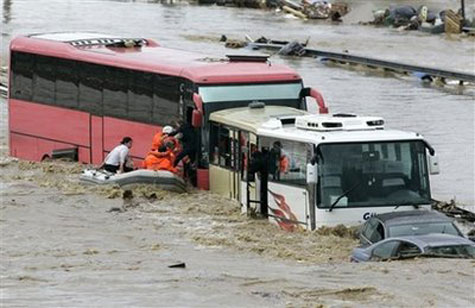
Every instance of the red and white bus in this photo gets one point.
(86, 91)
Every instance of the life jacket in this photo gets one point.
(177, 146)
(160, 161)
(284, 164)
(157, 141)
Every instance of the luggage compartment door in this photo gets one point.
(97, 140)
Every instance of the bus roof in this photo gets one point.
(252, 119)
(279, 122)
(151, 57)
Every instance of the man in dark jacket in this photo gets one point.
(189, 141)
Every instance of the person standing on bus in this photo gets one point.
(188, 140)
(116, 160)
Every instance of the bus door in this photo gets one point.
(243, 165)
(250, 199)
(236, 165)
(288, 195)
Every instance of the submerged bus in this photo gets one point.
(338, 168)
(85, 91)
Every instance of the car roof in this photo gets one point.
(412, 217)
(434, 240)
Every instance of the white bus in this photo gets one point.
(320, 169)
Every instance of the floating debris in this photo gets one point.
(339, 230)
(116, 209)
(406, 17)
(91, 251)
(293, 48)
(350, 60)
(353, 294)
(303, 9)
(451, 209)
(177, 265)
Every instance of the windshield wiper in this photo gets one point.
(344, 194)
(402, 203)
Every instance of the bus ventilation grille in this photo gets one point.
(247, 58)
(111, 42)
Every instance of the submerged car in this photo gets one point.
(429, 245)
(395, 224)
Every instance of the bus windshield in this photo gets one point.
(250, 92)
(372, 174)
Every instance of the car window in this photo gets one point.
(380, 230)
(407, 249)
(372, 231)
(364, 232)
(423, 228)
(376, 233)
(460, 251)
(385, 250)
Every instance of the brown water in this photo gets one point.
(60, 245)
(63, 246)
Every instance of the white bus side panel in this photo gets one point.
(289, 202)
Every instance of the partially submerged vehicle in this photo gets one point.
(88, 90)
(429, 245)
(406, 223)
(165, 179)
(340, 168)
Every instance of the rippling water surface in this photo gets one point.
(445, 116)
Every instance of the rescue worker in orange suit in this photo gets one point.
(162, 159)
(159, 137)
(279, 161)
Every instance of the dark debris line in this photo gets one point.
(451, 209)
(428, 72)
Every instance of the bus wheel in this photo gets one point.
(46, 158)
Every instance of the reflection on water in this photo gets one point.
(445, 118)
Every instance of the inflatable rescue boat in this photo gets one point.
(164, 179)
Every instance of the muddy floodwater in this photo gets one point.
(65, 244)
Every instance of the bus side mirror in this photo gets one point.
(312, 173)
(198, 101)
(196, 118)
(322, 108)
(434, 164)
